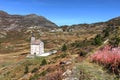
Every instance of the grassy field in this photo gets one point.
(14, 48)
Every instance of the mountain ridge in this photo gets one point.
(10, 22)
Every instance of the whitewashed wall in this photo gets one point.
(37, 49)
(41, 48)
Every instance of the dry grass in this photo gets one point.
(12, 58)
(89, 71)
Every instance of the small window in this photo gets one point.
(34, 53)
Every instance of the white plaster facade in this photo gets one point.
(37, 46)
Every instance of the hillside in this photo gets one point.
(16, 22)
(114, 22)
(74, 63)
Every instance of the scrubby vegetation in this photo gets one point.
(115, 41)
(44, 62)
(74, 45)
(108, 57)
(97, 40)
(64, 48)
(26, 69)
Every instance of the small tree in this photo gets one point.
(44, 62)
(64, 48)
(97, 40)
(106, 31)
(26, 69)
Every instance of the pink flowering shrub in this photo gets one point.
(108, 57)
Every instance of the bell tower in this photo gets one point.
(32, 37)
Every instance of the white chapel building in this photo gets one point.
(37, 46)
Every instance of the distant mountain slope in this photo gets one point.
(9, 22)
(114, 21)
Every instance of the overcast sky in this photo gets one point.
(65, 12)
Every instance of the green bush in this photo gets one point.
(44, 62)
(26, 69)
(82, 53)
(64, 48)
(34, 70)
(97, 40)
(106, 31)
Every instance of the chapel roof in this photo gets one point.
(36, 42)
